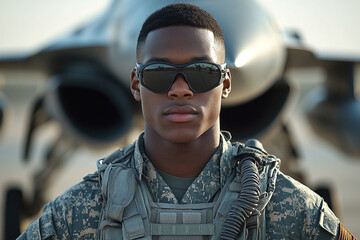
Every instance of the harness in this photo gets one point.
(129, 212)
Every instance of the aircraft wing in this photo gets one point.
(333, 109)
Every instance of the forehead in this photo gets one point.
(181, 44)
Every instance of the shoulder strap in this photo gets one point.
(119, 190)
(119, 155)
(118, 186)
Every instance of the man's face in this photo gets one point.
(180, 115)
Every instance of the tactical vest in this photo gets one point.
(129, 212)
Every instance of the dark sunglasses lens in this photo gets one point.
(158, 77)
(202, 76)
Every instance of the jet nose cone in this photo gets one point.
(254, 51)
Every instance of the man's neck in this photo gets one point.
(181, 159)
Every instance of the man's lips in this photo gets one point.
(180, 113)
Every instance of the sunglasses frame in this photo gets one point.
(140, 67)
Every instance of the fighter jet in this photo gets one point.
(88, 81)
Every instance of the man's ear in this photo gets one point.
(226, 85)
(135, 86)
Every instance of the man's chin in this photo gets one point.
(182, 136)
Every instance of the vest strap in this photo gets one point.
(109, 223)
(252, 221)
(182, 229)
(134, 227)
(120, 192)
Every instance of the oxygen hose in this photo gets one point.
(247, 200)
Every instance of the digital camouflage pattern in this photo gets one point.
(204, 187)
(294, 211)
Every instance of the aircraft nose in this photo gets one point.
(255, 53)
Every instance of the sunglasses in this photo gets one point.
(201, 77)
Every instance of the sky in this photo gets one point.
(325, 25)
(27, 25)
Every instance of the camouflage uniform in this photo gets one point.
(294, 211)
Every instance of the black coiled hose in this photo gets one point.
(247, 201)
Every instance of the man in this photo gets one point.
(183, 178)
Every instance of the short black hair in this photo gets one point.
(179, 14)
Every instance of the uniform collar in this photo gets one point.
(210, 180)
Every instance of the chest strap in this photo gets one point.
(120, 210)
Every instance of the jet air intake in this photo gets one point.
(254, 117)
(90, 109)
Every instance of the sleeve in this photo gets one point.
(72, 215)
(296, 212)
(329, 226)
(44, 227)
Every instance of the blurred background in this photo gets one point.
(326, 29)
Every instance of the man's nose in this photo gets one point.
(180, 88)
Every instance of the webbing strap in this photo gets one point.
(120, 192)
(134, 227)
(182, 229)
